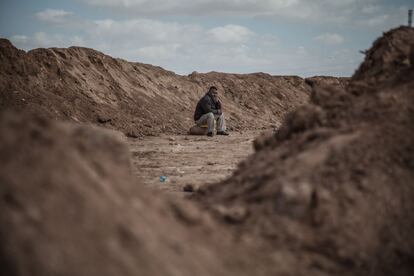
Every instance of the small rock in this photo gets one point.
(189, 188)
(133, 134)
(103, 119)
(263, 140)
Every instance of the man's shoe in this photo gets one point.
(210, 134)
(222, 133)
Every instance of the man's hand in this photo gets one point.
(219, 112)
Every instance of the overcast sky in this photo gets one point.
(280, 37)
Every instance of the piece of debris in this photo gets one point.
(189, 188)
(103, 119)
(133, 134)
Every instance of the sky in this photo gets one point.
(279, 37)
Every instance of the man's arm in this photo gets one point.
(206, 104)
(218, 106)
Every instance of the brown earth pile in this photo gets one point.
(327, 81)
(69, 206)
(84, 85)
(334, 187)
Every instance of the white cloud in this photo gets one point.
(374, 21)
(143, 29)
(184, 48)
(166, 51)
(230, 34)
(184, 51)
(338, 11)
(19, 39)
(370, 9)
(43, 40)
(187, 6)
(331, 39)
(177, 46)
(301, 50)
(53, 16)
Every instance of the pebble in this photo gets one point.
(189, 188)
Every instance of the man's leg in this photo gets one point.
(209, 119)
(221, 123)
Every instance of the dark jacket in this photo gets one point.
(206, 105)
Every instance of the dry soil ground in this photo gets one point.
(188, 160)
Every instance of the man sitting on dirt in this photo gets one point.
(208, 111)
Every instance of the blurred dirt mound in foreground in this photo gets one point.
(68, 206)
(84, 85)
(335, 185)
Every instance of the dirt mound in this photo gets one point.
(84, 85)
(388, 59)
(68, 206)
(327, 81)
(335, 184)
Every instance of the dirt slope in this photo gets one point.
(84, 85)
(335, 185)
(69, 206)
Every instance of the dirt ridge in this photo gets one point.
(84, 85)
